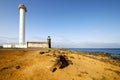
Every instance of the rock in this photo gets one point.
(53, 69)
(62, 61)
(4, 68)
(42, 52)
(17, 67)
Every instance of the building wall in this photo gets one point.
(37, 45)
(14, 46)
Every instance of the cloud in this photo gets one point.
(7, 40)
(99, 45)
(64, 42)
(67, 44)
(41, 39)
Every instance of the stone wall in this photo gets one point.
(37, 45)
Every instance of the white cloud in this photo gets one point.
(64, 42)
(8, 40)
(67, 44)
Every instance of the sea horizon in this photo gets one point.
(113, 51)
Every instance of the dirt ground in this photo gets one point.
(55, 64)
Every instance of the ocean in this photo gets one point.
(113, 51)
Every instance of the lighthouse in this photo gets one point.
(22, 10)
(22, 44)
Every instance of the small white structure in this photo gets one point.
(14, 46)
(22, 9)
(7, 46)
(20, 46)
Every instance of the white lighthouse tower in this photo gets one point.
(22, 10)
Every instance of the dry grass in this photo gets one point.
(35, 64)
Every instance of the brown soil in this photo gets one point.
(56, 64)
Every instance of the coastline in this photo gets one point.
(114, 52)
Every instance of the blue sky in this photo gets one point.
(70, 23)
